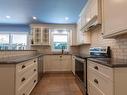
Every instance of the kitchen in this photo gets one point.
(52, 48)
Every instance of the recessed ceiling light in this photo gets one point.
(8, 17)
(34, 17)
(66, 18)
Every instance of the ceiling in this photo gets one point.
(46, 11)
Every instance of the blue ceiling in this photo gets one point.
(46, 11)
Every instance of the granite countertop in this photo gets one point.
(58, 54)
(113, 63)
(19, 59)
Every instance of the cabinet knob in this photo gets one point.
(23, 94)
(96, 81)
(23, 79)
(23, 66)
(96, 67)
(34, 61)
(35, 70)
(34, 81)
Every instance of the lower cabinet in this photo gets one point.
(103, 80)
(57, 63)
(18, 79)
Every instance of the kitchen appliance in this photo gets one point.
(80, 73)
(81, 64)
(40, 67)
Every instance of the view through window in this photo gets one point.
(13, 41)
(60, 40)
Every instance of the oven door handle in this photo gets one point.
(81, 60)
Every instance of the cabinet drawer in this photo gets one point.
(101, 82)
(104, 70)
(26, 70)
(93, 90)
(24, 65)
(33, 83)
(28, 86)
(22, 77)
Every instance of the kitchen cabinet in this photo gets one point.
(18, 79)
(40, 67)
(114, 18)
(73, 65)
(57, 63)
(91, 15)
(82, 37)
(103, 80)
(73, 38)
(40, 36)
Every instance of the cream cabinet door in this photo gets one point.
(94, 8)
(114, 17)
(46, 36)
(57, 63)
(37, 36)
(66, 63)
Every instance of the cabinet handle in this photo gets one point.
(23, 66)
(96, 68)
(34, 81)
(96, 81)
(23, 79)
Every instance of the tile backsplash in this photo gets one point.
(48, 50)
(118, 45)
(7, 54)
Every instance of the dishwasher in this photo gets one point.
(40, 67)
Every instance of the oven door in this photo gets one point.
(81, 70)
(81, 74)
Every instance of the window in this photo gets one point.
(4, 38)
(19, 39)
(13, 41)
(60, 40)
(4, 41)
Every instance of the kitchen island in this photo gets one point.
(19, 75)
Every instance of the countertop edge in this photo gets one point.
(108, 65)
(21, 60)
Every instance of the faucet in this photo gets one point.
(63, 49)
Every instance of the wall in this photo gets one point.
(118, 45)
(14, 28)
(47, 49)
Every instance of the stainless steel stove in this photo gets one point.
(81, 64)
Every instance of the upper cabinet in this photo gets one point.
(90, 15)
(89, 18)
(40, 36)
(114, 17)
(82, 37)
